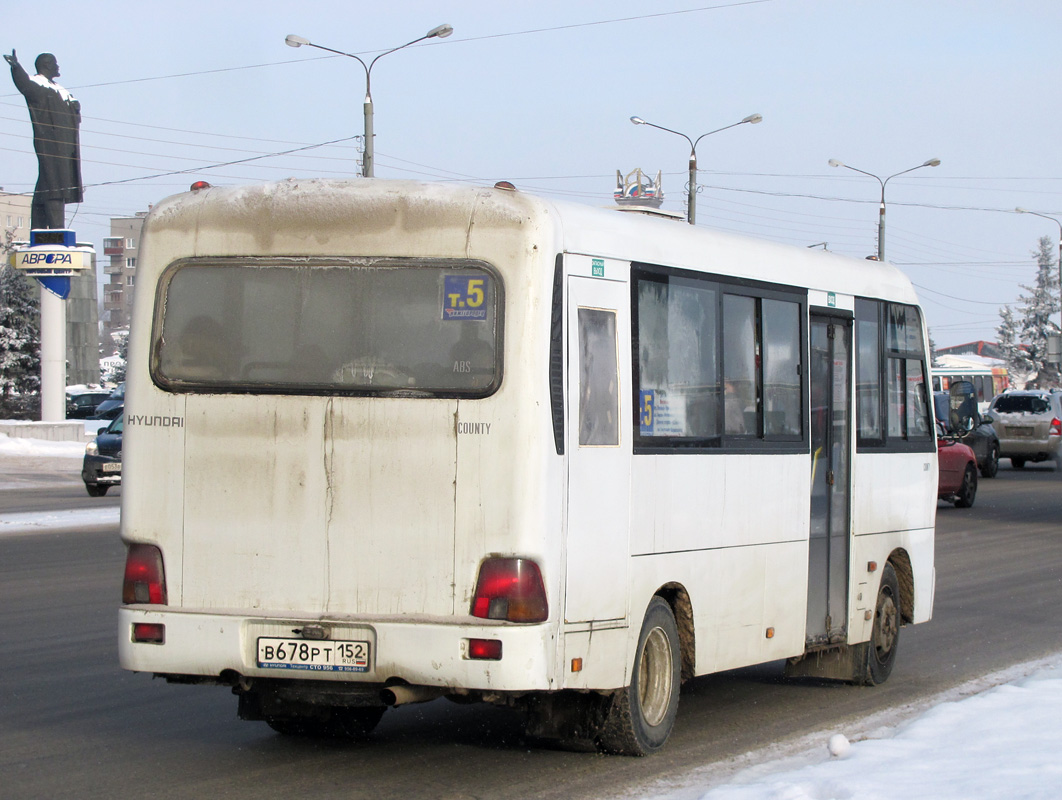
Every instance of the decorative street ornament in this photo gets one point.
(638, 189)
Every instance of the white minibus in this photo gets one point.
(389, 441)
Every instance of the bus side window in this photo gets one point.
(741, 353)
(598, 378)
(781, 368)
(868, 371)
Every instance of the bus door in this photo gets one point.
(830, 480)
(598, 448)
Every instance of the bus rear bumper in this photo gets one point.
(208, 645)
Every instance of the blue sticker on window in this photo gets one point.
(465, 297)
(646, 407)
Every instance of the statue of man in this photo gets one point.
(56, 116)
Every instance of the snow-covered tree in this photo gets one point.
(1023, 338)
(116, 373)
(1041, 302)
(20, 338)
(1008, 337)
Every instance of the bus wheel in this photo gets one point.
(337, 723)
(881, 652)
(640, 718)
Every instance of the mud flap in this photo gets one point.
(847, 663)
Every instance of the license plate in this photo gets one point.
(114, 466)
(1014, 431)
(315, 655)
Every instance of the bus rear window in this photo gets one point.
(364, 327)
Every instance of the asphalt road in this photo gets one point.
(72, 724)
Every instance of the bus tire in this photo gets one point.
(885, 638)
(337, 723)
(640, 717)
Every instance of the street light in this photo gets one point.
(1021, 210)
(933, 162)
(691, 214)
(438, 32)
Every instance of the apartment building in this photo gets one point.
(120, 256)
(15, 214)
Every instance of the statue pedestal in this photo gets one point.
(52, 257)
(53, 357)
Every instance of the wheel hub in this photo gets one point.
(654, 677)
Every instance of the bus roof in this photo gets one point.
(284, 217)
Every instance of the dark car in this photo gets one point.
(102, 467)
(112, 406)
(981, 438)
(83, 404)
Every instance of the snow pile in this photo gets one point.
(19, 446)
(65, 519)
(1003, 743)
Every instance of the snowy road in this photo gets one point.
(939, 729)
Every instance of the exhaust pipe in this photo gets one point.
(400, 694)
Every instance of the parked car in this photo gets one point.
(1029, 425)
(112, 406)
(102, 467)
(980, 436)
(956, 470)
(83, 404)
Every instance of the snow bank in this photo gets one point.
(19, 446)
(1002, 743)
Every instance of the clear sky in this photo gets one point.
(541, 94)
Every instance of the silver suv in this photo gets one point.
(1029, 425)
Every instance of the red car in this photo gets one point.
(957, 470)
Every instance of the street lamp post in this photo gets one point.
(933, 162)
(691, 212)
(1021, 210)
(438, 32)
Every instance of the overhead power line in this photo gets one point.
(465, 40)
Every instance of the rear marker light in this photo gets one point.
(485, 649)
(510, 589)
(1056, 427)
(149, 633)
(145, 576)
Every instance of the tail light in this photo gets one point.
(510, 589)
(145, 576)
(1056, 427)
(149, 633)
(485, 649)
